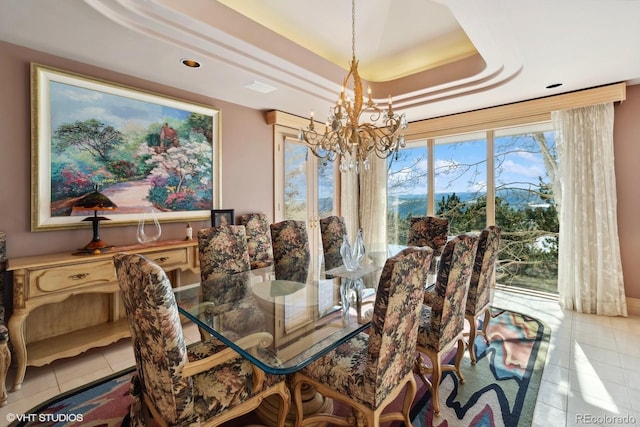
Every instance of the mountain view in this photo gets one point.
(416, 205)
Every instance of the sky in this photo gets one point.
(69, 103)
(461, 167)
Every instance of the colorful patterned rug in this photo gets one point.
(500, 390)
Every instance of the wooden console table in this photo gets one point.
(97, 318)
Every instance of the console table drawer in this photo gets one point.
(169, 258)
(71, 276)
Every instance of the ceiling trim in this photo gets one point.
(167, 24)
(519, 113)
(184, 24)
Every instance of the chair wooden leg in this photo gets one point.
(297, 402)
(437, 369)
(409, 396)
(472, 338)
(485, 324)
(436, 374)
(473, 333)
(459, 356)
(283, 410)
(421, 369)
(435, 383)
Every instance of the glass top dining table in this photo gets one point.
(295, 322)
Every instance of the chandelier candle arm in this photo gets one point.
(345, 138)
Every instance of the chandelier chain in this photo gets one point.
(353, 30)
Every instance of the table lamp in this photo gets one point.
(95, 201)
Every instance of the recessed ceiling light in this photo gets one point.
(260, 87)
(191, 63)
(554, 85)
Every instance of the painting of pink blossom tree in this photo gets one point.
(143, 151)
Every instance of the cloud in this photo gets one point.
(526, 155)
(75, 94)
(446, 167)
(530, 170)
(479, 186)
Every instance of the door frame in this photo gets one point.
(280, 136)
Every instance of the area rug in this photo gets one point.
(500, 390)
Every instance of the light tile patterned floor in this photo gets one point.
(591, 377)
(592, 373)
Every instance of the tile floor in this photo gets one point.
(591, 377)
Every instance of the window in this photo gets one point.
(326, 189)
(525, 208)
(295, 181)
(495, 177)
(460, 176)
(406, 190)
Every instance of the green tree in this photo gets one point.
(452, 208)
(203, 124)
(90, 135)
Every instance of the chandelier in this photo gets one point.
(344, 137)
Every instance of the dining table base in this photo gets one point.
(312, 402)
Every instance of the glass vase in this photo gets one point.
(149, 229)
(358, 249)
(352, 256)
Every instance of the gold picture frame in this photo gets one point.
(143, 150)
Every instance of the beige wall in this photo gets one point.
(626, 135)
(246, 154)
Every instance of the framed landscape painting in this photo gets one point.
(141, 150)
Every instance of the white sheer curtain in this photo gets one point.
(349, 202)
(589, 265)
(373, 205)
(364, 204)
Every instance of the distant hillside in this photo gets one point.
(417, 204)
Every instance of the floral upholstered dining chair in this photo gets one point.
(371, 369)
(442, 322)
(205, 383)
(290, 250)
(428, 231)
(479, 298)
(332, 232)
(258, 239)
(225, 278)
